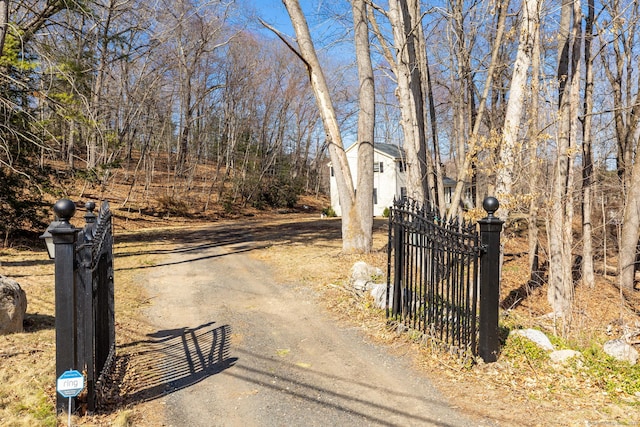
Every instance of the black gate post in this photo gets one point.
(490, 229)
(398, 217)
(64, 239)
(86, 352)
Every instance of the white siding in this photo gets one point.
(387, 183)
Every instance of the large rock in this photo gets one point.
(535, 336)
(620, 350)
(364, 276)
(13, 306)
(379, 294)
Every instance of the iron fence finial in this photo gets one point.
(490, 205)
(64, 209)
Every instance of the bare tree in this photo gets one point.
(366, 126)
(587, 152)
(560, 292)
(405, 19)
(515, 105)
(470, 154)
(191, 35)
(627, 121)
(354, 236)
(534, 172)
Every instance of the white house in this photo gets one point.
(389, 179)
(388, 176)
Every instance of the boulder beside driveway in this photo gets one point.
(13, 306)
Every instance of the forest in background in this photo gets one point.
(89, 86)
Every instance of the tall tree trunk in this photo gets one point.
(409, 93)
(587, 155)
(351, 226)
(4, 22)
(366, 126)
(631, 222)
(533, 136)
(560, 292)
(422, 91)
(438, 196)
(630, 230)
(627, 121)
(515, 106)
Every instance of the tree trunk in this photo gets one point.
(438, 192)
(4, 21)
(351, 222)
(587, 155)
(366, 126)
(631, 221)
(409, 93)
(533, 136)
(630, 231)
(515, 106)
(560, 292)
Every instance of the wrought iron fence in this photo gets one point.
(85, 319)
(96, 331)
(434, 270)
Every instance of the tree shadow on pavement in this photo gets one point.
(168, 361)
(345, 395)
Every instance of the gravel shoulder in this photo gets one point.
(234, 347)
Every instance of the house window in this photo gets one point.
(401, 167)
(448, 195)
(331, 169)
(375, 196)
(403, 193)
(378, 167)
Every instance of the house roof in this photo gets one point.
(448, 182)
(390, 150)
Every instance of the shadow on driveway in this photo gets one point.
(168, 361)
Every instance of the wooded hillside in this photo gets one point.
(535, 103)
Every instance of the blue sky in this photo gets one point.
(274, 13)
(326, 31)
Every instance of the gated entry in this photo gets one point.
(85, 321)
(443, 277)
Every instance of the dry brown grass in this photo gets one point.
(518, 390)
(517, 387)
(27, 360)
(523, 387)
(27, 368)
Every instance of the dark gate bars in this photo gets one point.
(85, 319)
(436, 271)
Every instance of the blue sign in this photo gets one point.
(70, 383)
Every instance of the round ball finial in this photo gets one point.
(90, 206)
(491, 205)
(64, 209)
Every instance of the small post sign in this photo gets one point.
(70, 384)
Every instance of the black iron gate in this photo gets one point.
(96, 328)
(84, 298)
(433, 283)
